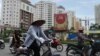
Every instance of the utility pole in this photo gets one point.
(87, 23)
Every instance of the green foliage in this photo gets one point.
(74, 42)
(95, 27)
(6, 33)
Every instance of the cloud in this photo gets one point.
(58, 0)
(88, 3)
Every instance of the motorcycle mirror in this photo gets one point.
(93, 40)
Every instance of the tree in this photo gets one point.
(95, 27)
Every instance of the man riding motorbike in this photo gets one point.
(81, 38)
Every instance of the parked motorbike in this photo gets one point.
(2, 44)
(57, 44)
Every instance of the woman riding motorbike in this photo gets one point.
(15, 39)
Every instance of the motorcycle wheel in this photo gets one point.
(42, 51)
(22, 54)
(96, 53)
(12, 50)
(59, 48)
(2, 46)
(72, 52)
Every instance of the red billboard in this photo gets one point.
(60, 21)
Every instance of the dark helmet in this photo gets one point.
(81, 29)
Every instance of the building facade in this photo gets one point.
(17, 13)
(77, 24)
(61, 9)
(45, 10)
(21, 13)
(71, 16)
(97, 14)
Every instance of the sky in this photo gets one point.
(82, 8)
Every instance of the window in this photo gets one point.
(28, 8)
(10, 11)
(10, 14)
(23, 6)
(14, 4)
(60, 11)
(4, 5)
(14, 11)
(4, 1)
(7, 5)
(4, 8)
(6, 22)
(7, 1)
(17, 12)
(3, 12)
(3, 18)
(16, 15)
(7, 11)
(9, 21)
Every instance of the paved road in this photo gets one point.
(6, 51)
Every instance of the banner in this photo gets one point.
(60, 21)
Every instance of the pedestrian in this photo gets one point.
(35, 36)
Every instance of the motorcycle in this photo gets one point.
(2, 45)
(56, 44)
(94, 49)
(13, 49)
(76, 50)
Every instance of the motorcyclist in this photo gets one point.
(81, 36)
(15, 39)
(50, 33)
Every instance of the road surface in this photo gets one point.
(6, 52)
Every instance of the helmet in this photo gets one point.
(81, 29)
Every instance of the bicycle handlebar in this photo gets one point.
(46, 42)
